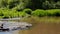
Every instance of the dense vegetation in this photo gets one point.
(17, 8)
(45, 4)
(41, 13)
(7, 13)
(32, 4)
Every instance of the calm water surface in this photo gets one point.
(12, 32)
(41, 28)
(5, 33)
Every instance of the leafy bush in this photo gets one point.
(48, 5)
(21, 14)
(39, 12)
(53, 12)
(50, 12)
(57, 12)
(1, 14)
(28, 11)
(5, 13)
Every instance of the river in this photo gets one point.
(40, 28)
(12, 32)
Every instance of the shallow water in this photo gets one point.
(11, 32)
(5, 33)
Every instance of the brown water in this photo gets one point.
(43, 28)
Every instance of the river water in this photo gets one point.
(12, 32)
(5, 33)
(40, 28)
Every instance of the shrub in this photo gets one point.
(28, 11)
(6, 13)
(50, 12)
(53, 12)
(57, 13)
(1, 17)
(21, 14)
(1, 14)
(39, 13)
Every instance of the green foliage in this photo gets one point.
(45, 4)
(57, 12)
(14, 4)
(39, 12)
(33, 4)
(21, 14)
(7, 13)
(48, 5)
(28, 11)
(58, 4)
(53, 12)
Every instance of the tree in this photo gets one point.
(48, 5)
(14, 4)
(58, 4)
(33, 4)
